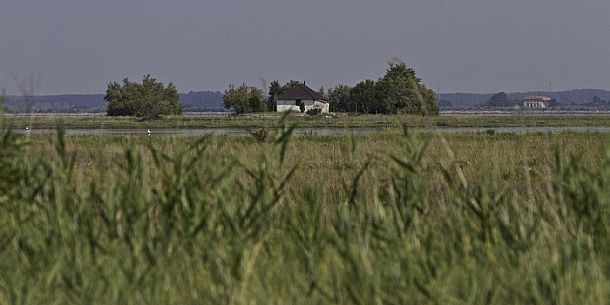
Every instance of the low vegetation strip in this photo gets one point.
(384, 219)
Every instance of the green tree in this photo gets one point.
(291, 84)
(148, 100)
(364, 97)
(403, 92)
(339, 98)
(498, 99)
(244, 99)
(398, 91)
(430, 103)
(275, 89)
(322, 92)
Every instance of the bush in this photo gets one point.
(262, 135)
(148, 100)
(313, 111)
(244, 99)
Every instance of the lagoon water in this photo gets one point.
(322, 131)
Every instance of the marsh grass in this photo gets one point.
(336, 121)
(378, 219)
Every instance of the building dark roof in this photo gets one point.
(300, 92)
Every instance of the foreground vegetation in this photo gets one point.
(274, 120)
(379, 219)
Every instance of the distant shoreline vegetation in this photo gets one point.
(193, 101)
(212, 101)
(576, 99)
(399, 91)
(363, 100)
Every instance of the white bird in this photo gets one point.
(148, 131)
(27, 127)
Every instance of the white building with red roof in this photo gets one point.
(535, 101)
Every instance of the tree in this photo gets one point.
(244, 99)
(148, 100)
(322, 92)
(275, 89)
(430, 101)
(398, 91)
(403, 92)
(364, 97)
(339, 98)
(291, 84)
(499, 99)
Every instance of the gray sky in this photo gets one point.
(454, 45)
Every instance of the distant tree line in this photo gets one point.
(202, 101)
(569, 99)
(399, 91)
(502, 100)
(598, 102)
(248, 99)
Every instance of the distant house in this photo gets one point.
(536, 101)
(294, 97)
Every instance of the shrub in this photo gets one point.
(313, 111)
(262, 135)
(244, 99)
(148, 100)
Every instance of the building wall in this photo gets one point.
(324, 106)
(534, 104)
(291, 105)
(285, 108)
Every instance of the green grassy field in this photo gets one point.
(274, 120)
(377, 219)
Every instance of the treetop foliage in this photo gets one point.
(398, 91)
(244, 99)
(149, 99)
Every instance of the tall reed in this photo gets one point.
(192, 226)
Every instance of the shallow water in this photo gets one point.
(322, 131)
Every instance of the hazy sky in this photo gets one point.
(454, 45)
